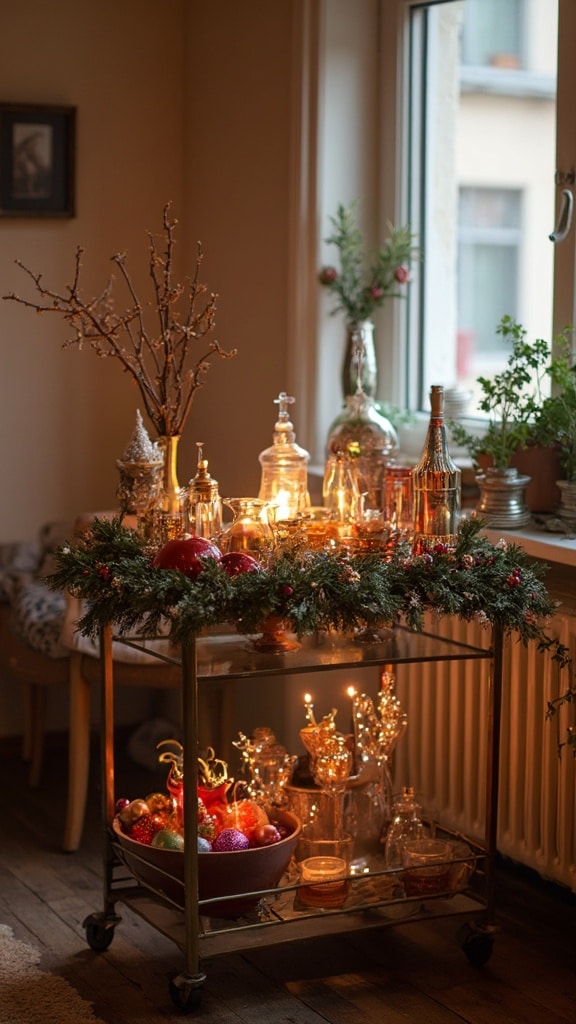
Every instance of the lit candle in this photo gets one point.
(320, 870)
(309, 707)
(284, 504)
(324, 881)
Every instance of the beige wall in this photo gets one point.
(188, 102)
(237, 195)
(190, 106)
(65, 416)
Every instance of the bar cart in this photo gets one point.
(187, 921)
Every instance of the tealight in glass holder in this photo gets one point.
(324, 870)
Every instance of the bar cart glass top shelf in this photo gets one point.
(232, 655)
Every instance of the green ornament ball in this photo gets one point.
(167, 840)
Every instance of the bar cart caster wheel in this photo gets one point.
(99, 931)
(186, 991)
(477, 944)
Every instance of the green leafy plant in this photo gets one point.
(556, 419)
(364, 281)
(513, 399)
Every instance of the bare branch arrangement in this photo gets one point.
(160, 363)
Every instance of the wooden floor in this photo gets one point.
(415, 972)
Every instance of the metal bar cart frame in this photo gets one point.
(203, 659)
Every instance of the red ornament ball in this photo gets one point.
(265, 835)
(229, 840)
(186, 554)
(236, 562)
(145, 828)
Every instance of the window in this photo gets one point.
(417, 118)
(489, 238)
(480, 191)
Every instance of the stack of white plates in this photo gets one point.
(456, 403)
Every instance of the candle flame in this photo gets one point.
(309, 709)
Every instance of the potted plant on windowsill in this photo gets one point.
(556, 423)
(513, 401)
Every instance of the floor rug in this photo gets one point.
(31, 996)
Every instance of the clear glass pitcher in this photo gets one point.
(249, 531)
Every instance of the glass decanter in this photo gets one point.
(406, 826)
(365, 436)
(269, 766)
(249, 531)
(284, 481)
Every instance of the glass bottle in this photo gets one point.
(204, 504)
(435, 485)
(284, 481)
(405, 826)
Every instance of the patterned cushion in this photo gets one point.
(16, 558)
(52, 536)
(44, 619)
(37, 615)
(120, 652)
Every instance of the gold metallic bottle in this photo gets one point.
(436, 486)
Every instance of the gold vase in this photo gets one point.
(275, 638)
(170, 499)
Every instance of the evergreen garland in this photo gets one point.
(111, 569)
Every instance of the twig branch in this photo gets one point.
(164, 368)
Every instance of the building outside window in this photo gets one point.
(482, 117)
(493, 33)
(488, 259)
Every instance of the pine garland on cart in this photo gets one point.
(112, 570)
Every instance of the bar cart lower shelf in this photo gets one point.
(374, 896)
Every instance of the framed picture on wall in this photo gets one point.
(37, 150)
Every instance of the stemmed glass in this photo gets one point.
(331, 761)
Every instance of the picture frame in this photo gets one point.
(37, 155)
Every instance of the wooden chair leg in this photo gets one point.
(78, 755)
(36, 700)
(27, 723)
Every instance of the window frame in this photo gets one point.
(395, 42)
(381, 179)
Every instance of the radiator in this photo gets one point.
(443, 751)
